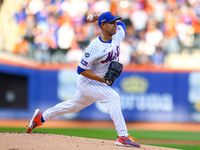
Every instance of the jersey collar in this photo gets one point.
(104, 41)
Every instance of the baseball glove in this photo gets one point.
(113, 72)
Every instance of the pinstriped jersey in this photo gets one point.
(99, 54)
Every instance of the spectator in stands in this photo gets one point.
(144, 49)
(75, 53)
(171, 36)
(51, 33)
(21, 47)
(29, 35)
(65, 35)
(158, 57)
(42, 51)
(125, 53)
(154, 35)
(139, 18)
(101, 6)
(20, 16)
(159, 8)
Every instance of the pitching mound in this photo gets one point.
(44, 141)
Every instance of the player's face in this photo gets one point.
(110, 27)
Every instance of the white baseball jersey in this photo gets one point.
(99, 54)
(97, 58)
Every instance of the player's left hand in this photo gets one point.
(113, 72)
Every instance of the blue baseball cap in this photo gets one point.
(107, 17)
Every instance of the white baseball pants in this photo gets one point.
(87, 94)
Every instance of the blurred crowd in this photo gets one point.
(57, 30)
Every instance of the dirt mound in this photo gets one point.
(45, 141)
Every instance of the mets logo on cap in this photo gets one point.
(102, 21)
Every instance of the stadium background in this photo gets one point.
(41, 43)
(167, 96)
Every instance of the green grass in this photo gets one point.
(183, 147)
(111, 134)
(166, 135)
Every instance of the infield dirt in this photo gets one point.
(44, 141)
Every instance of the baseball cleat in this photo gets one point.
(126, 141)
(35, 121)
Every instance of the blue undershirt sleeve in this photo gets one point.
(122, 25)
(79, 70)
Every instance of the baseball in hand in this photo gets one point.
(90, 17)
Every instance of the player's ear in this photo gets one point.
(102, 25)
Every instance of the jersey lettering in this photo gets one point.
(110, 56)
(118, 28)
